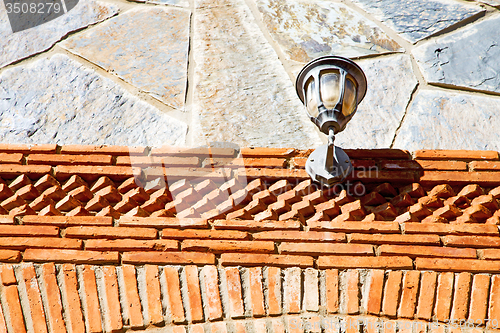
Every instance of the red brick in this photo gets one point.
(218, 328)
(199, 151)
(394, 239)
(198, 328)
(15, 158)
(292, 216)
(250, 259)
(5, 219)
(234, 293)
(493, 254)
(111, 232)
(34, 298)
(442, 165)
(400, 165)
(267, 215)
(204, 234)
(355, 208)
(12, 203)
(364, 262)
(458, 265)
(332, 290)
(391, 293)
(165, 258)
(26, 149)
(31, 231)
(425, 251)
(479, 298)
(21, 243)
(351, 291)
(56, 159)
(460, 178)
(484, 165)
(292, 290)
(22, 210)
(169, 222)
(385, 154)
(110, 150)
(174, 294)
(91, 306)
(220, 246)
(53, 298)
(130, 245)
(148, 161)
(273, 174)
(5, 192)
(112, 312)
(465, 155)
(74, 256)
(248, 225)
(273, 284)
(211, 286)
(409, 294)
(90, 173)
(14, 170)
(154, 314)
(13, 308)
(7, 273)
(487, 201)
(371, 176)
(352, 226)
(374, 297)
(451, 229)
(461, 296)
(479, 212)
(71, 299)
(255, 292)
(195, 309)
(316, 249)
(471, 241)
(132, 303)
(494, 306)
(299, 236)
(10, 256)
(426, 295)
(267, 152)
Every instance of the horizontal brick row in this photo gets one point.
(85, 298)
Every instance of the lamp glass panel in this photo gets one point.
(330, 88)
(312, 104)
(349, 102)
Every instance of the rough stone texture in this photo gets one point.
(180, 3)
(417, 19)
(242, 93)
(147, 47)
(19, 45)
(438, 120)
(390, 85)
(306, 30)
(57, 100)
(469, 57)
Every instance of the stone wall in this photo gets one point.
(188, 72)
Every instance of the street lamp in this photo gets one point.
(331, 88)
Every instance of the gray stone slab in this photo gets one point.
(242, 92)
(306, 30)
(57, 100)
(20, 45)
(390, 85)
(417, 19)
(147, 47)
(469, 57)
(444, 120)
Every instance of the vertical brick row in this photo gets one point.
(132, 310)
(292, 291)
(52, 297)
(427, 295)
(234, 294)
(34, 298)
(195, 309)
(111, 301)
(173, 292)
(273, 290)
(375, 288)
(443, 296)
(10, 301)
(311, 290)
(255, 293)
(155, 310)
(461, 296)
(409, 294)
(211, 292)
(332, 290)
(71, 299)
(391, 294)
(90, 299)
(351, 291)
(479, 298)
